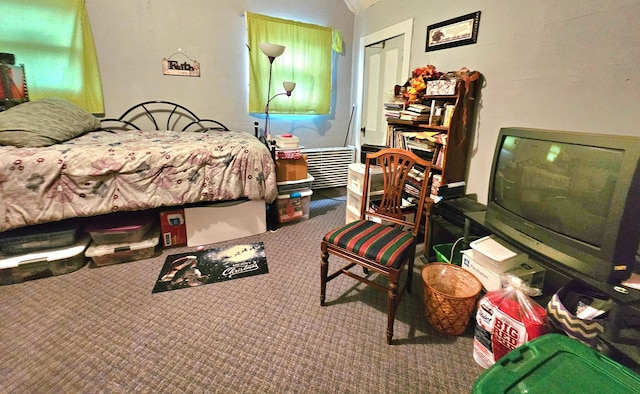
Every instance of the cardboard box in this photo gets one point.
(173, 227)
(291, 169)
(490, 274)
(223, 221)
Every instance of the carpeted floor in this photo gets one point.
(101, 330)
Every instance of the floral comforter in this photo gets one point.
(108, 171)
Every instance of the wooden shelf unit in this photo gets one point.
(453, 167)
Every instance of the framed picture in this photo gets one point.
(462, 30)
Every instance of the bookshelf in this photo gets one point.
(443, 139)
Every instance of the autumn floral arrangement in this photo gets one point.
(416, 86)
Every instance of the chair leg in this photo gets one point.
(391, 310)
(324, 271)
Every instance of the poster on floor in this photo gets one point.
(213, 265)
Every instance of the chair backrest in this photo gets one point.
(405, 178)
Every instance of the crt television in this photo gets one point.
(571, 198)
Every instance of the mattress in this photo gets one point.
(108, 171)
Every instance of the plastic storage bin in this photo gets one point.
(107, 254)
(121, 228)
(44, 236)
(554, 363)
(41, 264)
(287, 187)
(294, 207)
(355, 179)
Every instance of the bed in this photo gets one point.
(58, 162)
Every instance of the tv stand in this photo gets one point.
(621, 339)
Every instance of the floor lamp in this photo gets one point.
(273, 51)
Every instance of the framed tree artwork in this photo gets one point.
(462, 30)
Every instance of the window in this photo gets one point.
(305, 61)
(56, 47)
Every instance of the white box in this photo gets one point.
(224, 221)
(441, 87)
(497, 251)
(490, 274)
(287, 141)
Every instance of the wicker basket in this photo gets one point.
(450, 295)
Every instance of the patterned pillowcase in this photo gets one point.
(44, 122)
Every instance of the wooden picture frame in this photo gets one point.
(462, 30)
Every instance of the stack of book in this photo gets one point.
(415, 180)
(393, 109)
(416, 113)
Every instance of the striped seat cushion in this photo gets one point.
(383, 244)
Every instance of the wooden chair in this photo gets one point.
(384, 239)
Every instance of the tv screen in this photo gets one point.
(570, 198)
(563, 187)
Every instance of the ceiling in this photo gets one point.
(358, 5)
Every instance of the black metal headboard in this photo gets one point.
(161, 115)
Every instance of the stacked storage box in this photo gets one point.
(118, 239)
(40, 251)
(294, 199)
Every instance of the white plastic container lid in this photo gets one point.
(97, 250)
(48, 255)
(309, 178)
(304, 193)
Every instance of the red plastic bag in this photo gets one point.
(507, 318)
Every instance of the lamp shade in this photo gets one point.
(289, 86)
(271, 50)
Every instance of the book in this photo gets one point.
(413, 116)
(437, 156)
(419, 108)
(393, 105)
(390, 113)
(448, 114)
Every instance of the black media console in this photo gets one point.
(453, 219)
(621, 339)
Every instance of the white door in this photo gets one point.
(387, 65)
(382, 72)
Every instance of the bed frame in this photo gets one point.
(159, 112)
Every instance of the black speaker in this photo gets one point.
(368, 148)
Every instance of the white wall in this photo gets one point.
(133, 36)
(564, 65)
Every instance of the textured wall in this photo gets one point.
(133, 36)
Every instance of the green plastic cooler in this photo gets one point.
(555, 363)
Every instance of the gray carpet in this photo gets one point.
(101, 330)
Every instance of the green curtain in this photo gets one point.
(305, 61)
(53, 39)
